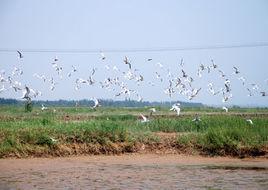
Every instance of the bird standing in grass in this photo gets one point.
(144, 119)
(196, 119)
(152, 110)
(43, 107)
(250, 121)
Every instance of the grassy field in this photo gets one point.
(71, 131)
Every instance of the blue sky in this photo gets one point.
(100, 25)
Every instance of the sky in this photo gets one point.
(103, 25)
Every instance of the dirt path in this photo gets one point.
(134, 171)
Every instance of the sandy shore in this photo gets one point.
(137, 171)
(136, 159)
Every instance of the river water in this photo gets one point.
(134, 172)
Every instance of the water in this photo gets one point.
(133, 174)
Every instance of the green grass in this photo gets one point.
(216, 134)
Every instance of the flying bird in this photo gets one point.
(249, 92)
(20, 54)
(184, 74)
(2, 89)
(96, 103)
(127, 62)
(222, 73)
(182, 62)
(225, 109)
(176, 107)
(264, 93)
(242, 79)
(26, 94)
(236, 70)
(56, 59)
(214, 66)
(159, 64)
(102, 56)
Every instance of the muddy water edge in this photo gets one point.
(134, 171)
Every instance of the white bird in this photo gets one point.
(103, 56)
(250, 121)
(159, 64)
(43, 107)
(73, 71)
(202, 67)
(176, 107)
(2, 89)
(115, 68)
(107, 67)
(249, 92)
(17, 71)
(96, 102)
(158, 76)
(152, 110)
(53, 140)
(213, 92)
(214, 66)
(199, 73)
(151, 83)
(42, 77)
(196, 119)
(26, 94)
(208, 68)
(225, 109)
(255, 86)
(194, 93)
(139, 98)
(182, 62)
(226, 97)
(35, 93)
(144, 119)
(242, 79)
(222, 73)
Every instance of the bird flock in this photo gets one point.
(177, 80)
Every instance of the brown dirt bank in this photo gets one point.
(166, 145)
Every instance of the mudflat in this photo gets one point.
(134, 171)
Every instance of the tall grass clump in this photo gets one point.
(234, 140)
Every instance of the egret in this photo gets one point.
(144, 119)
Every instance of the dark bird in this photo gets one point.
(236, 70)
(126, 61)
(20, 54)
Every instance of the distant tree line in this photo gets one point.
(103, 102)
